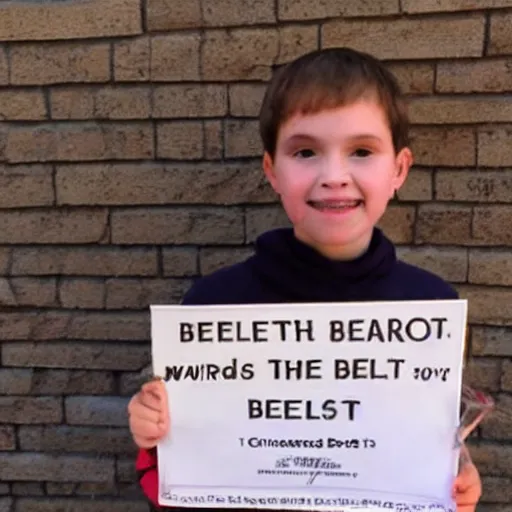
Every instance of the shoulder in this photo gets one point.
(422, 284)
(227, 285)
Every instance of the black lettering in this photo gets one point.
(329, 410)
(409, 329)
(301, 329)
(341, 369)
(354, 329)
(247, 371)
(204, 329)
(313, 369)
(224, 330)
(359, 369)
(230, 372)
(212, 371)
(439, 322)
(282, 327)
(292, 410)
(396, 369)
(373, 371)
(255, 408)
(394, 328)
(258, 331)
(186, 332)
(351, 407)
(173, 373)
(336, 331)
(375, 331)
(239, 334)
(272, 409)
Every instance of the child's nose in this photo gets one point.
(335, 174)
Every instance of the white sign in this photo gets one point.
(310, 407)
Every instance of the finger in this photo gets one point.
(164, 410)
(144, 413)
(145, 443)
(146, 429)
(151, 401)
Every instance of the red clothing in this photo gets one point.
(147, 467)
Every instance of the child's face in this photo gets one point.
(335, 172)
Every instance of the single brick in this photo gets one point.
(132, 60)
(169, 15)
(126, 470)
(483, 374)
(180, 261)
(474, 76)
(98, 411)
(295, 41)
(242, 138)
(417, 187)
(68, 20)
(212, 258)
(495, 146)
(450, 264)
(53, 226)
(413, 6)
(305, 10)
(213, 140)
(24, 410)
(499, 41)
(51, 63)
(488, 305)
(15, 381)
(498, 424)
(82, 141)
(116, 184)
(245, 99)
(130, 383)
(490, 266)
(26, 291)
(21, 105)
(82, 355)
(82, 293)
(497, 490)
(491, 341)
(443, 224)
(239, 54)
(264, 218)
(411, 38)
(443, 146)
(27, 489)
(174, 57)
(178, 225)
(6, 504)
(60, 382)
(41, 325)
(4, 67)
(398, 223)
(26, 185)
(92, 261)
(7, 438)
(492, 226)
(413, 78)
(77, 504)
(474, 186)
(492, 459)
(104, 102)
(453, 110)
(218, 13)
(506, 381)
(180, 140)
(58, 468)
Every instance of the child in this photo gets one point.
(334, 130)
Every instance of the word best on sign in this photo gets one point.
(310, 406)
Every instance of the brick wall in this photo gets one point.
(129, 166)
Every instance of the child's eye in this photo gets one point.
(305, 153)
(362, 153)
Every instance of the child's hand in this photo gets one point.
(149, 415)
(467, 488)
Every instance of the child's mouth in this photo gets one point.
(332, 205)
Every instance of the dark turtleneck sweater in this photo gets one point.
(283, 269)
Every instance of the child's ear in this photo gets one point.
(268, 167)
(404, 161)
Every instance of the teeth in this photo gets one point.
(335, 205)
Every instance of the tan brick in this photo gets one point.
(53, 226)
(82, 293)
(264, 218)
(492, 267)
(413, 6)
(170, 15)
(295, 41)
(500, 41)
(398, 223)
(84, 504)
(492, 226)
(52, 63)
(181, 140)
(5, 257)
(175, 57)
(26, 186)
(443, 224)
(22, 105)
(87, 261)
(418, 186)
(412, 77)
(498, 424)
(412, 38)
(450, 264)
(111, 184)
(506, 381)
(488, 305)
(474, 76)
(212, 259)
(129, 102)
(242, 138)
(84, 141)
(132, 60)
(245, 99)
(443, 146)
(7, 438)
(190, 101)
(180, 261)
(497, 490)
(240, 54)
(483, 374)
(495, 146)
(238, 12)
(213, 140)
(474, 185)
(491, 341)
(177, 226)
(26, 291)
(450, 110)
(4, 67)
(27, 410)
(306, 10)
(142, 293)
(68, 20)
(41, 325)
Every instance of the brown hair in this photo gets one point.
(326, 79)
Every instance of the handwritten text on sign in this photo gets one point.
(325, 401)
